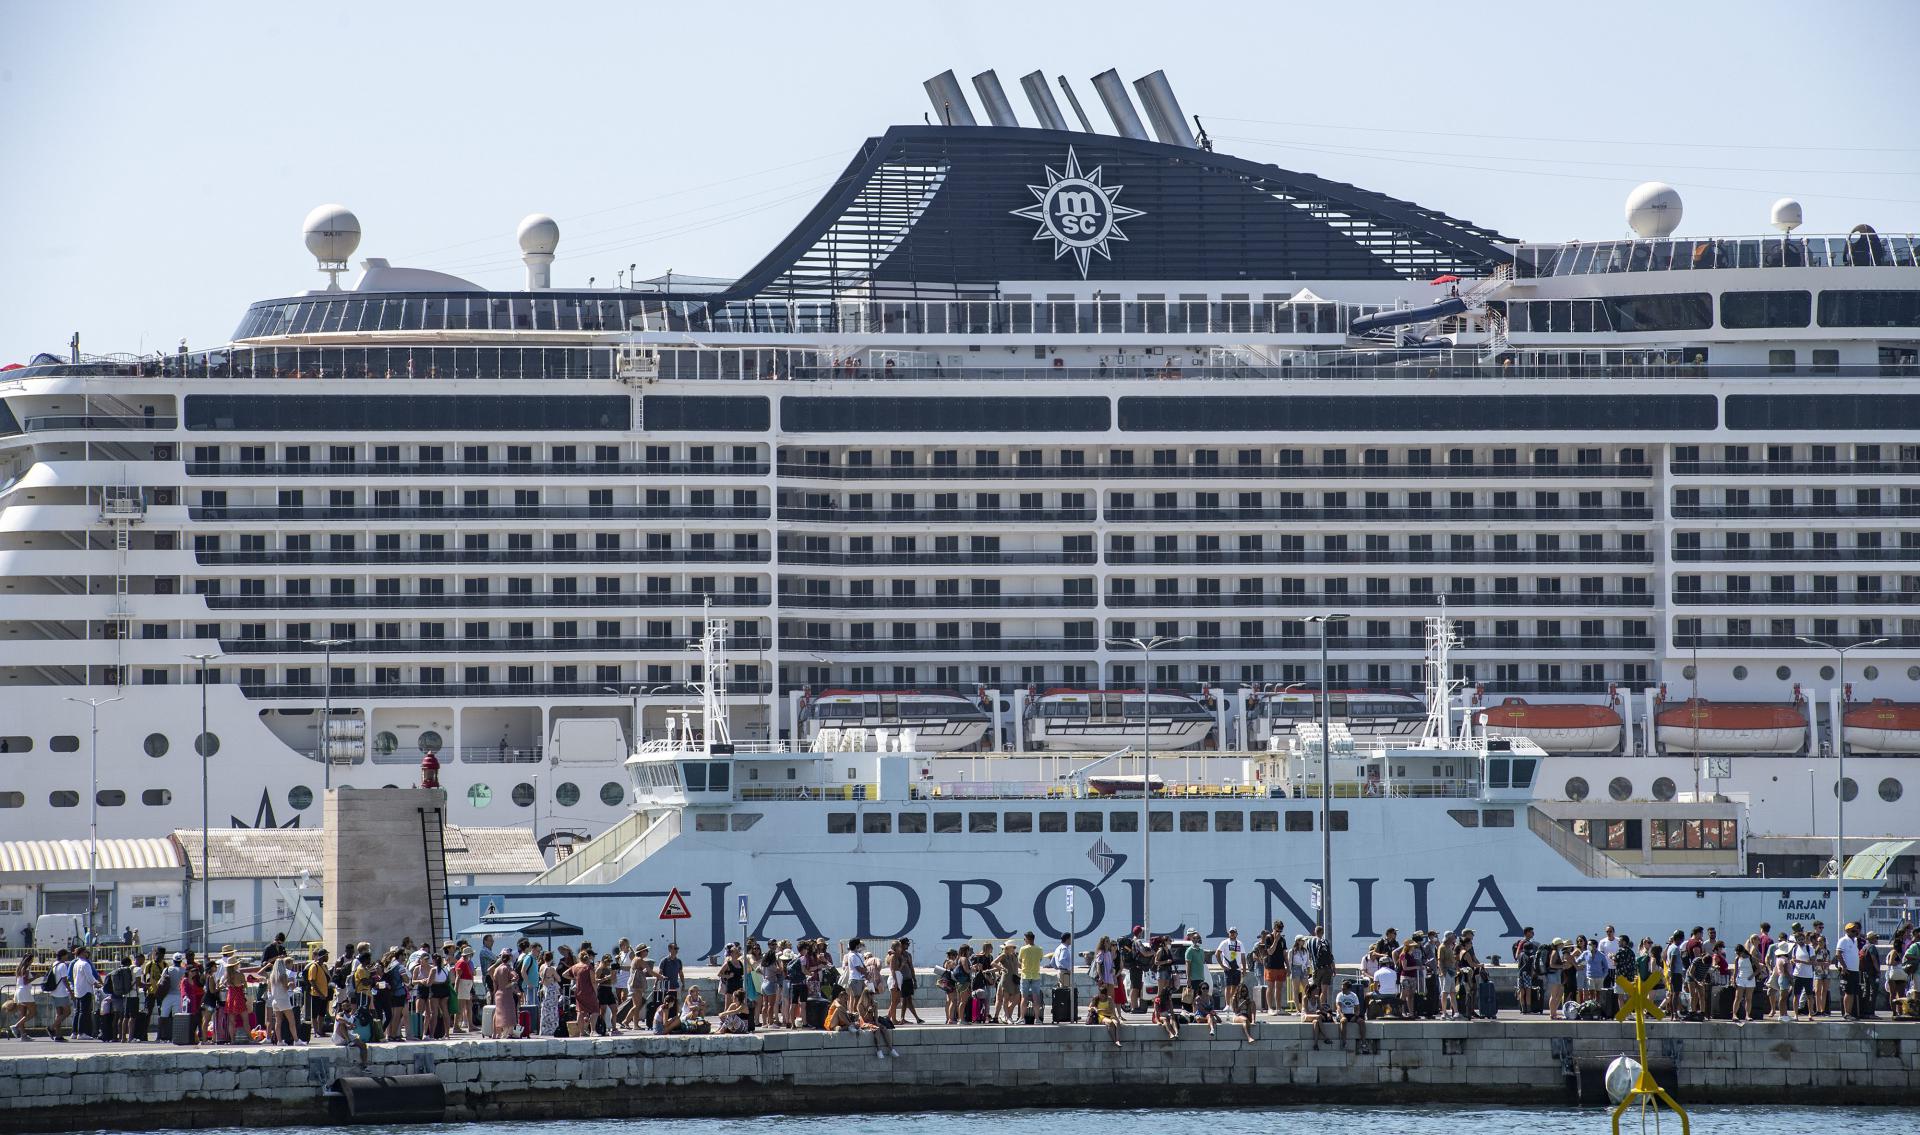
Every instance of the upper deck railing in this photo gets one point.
(1862, 250)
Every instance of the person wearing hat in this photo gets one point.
(1846, 955)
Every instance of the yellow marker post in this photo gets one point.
(1640, 1006)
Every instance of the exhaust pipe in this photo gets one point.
(999, 110)
(1163, 110)
(1044, 108)
(949, 100)
(1074, 101)
(1113, 93)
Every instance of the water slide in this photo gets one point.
(1381, 320)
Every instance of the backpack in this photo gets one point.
(1322, 953)
(50, 982)
(1528, 959)
(121, 982)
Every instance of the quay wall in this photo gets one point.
(972, 1068)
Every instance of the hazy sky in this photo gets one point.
(156, 159)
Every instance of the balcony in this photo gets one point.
(1596, 556)
(1424, 600)
(441, 557)
(934, 559)
(1297, 644)
(1794, 511)
(940, 645)
(1799, 598)
(352, 690)
(755, 469)
(937, 515)
(804, 471)
(905, 602)
(1796, 468)
(100, 422)
(462, 599)
(1777, 555)
(1434, 516)
(609, 645)
(311, 513)
(1683, 643)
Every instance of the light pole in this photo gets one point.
(1840, 784)
(1146, 647)
(635, 692)
(204, 744)
(1326, 780)
(326, 705)
(93, 822)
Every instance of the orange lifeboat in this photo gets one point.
(1732, 727)
(1883, 726)
(1558, 727)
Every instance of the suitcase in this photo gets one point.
(1062, 1006)
(1489, 1001)
(817, 1012)
(526, 1022)
(140, 1024)
(181, 1029)
(304, 1030)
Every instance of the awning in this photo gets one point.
(544, 924)
(1873, 860)
(49, 856)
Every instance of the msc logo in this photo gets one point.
(1077, 213)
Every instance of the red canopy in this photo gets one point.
(1447, 279)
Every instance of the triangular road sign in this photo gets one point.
(675, 906)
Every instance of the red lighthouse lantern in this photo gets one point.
(429, 770)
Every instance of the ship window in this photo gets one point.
(65, 743)
(1577, 788)
(299, 797)
(16, 744)
(1445, 413)
(717, 822)
(695, 773)
(1123, 822)
(523, 795)
(1337, 820)
(1870, 309)
(1663, 788)
(983, 822)
(110, 797)
(1089, 821)
(433, 414)
(975, 415)
(13, 799)
(479, 795)
(1619, 788)
(1160, 821)
(1489, 818)
(64, 798)
(1229, 821)
(876, 823)
(1465, 817)
(946, 823)
(1497, 773)
(612, 793)
(1523, 772)
(1265, 821)
(1889, 790)
(1019, 821)
(720, 777)
(567, 794)
(1875, 412)
(913, 823)
(1053, 821)
(155, 744)
(1765, 309)
(1299, 820)
(1847, 789)
(156, 797)
(741, 821)
(839, 823)
(1193, 821)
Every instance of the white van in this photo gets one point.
(53, 931)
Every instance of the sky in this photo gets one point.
(157, 159)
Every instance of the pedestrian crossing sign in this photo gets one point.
(675, 906)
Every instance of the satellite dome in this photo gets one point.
(332, 233)
(1653, 209)
(1786, 214)
(539, 234)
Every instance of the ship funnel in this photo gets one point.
(999, 110)
(1044, 108)
(1163, 110)
(1113, 92)
(949, 100)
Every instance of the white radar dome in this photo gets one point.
(1786, 214)
(1653, 209)
(539, 234)
(332, 233)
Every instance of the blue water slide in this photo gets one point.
(1380, 320)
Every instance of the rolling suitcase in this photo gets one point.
(140, 1024)
(817, 1012)
(1489, 1001)
(181, 1029)
(1062, 1006)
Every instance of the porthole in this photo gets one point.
(299, 797)
(479, 795)
(430, 740)
(1913, 673)
(1846, 789)
(109, 798)
(523, 794)
(1620, 788)
(156, 744)
(613, 794)
(1663, 788)
(63, 798)
(1870, 673)
(1889, 790)
(1826, 673)
(1783, 673)
(65, 743)
(567, 794)
(25, 744)
(1739, 673)
(384, 742)
(13, 799)
(207, 744)
(1687, 672)
(157, 797)
(1577, 788)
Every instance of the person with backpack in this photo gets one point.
(318, 986)
(1322, 948)
(58, 986)
(1526, 955)
(123, 985)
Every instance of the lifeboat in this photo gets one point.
(1558, 727)
(1732, 727)
(1883, 726)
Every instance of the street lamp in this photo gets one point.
(1326, 780)
(93, 835)
(204, 744)
(326, 703)
(1840, 785)
(1146, 647)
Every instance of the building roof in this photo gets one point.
(258, 853)
(51, 856)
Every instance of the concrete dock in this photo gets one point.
(1519, 1061)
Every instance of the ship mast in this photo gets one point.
(1441, 639)
(713, 682)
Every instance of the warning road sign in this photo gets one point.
(675, 906)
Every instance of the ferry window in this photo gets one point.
(110, 798)
(1193, 821)
(912, 823)
(716, 822)
(523, 795)
(417, 413)
(1053, 821)
(1090, 821)
(983, 822)
(567, 795)
(876, 823)
(741, 821)
(1577, 788)
(16, 744)
(13, 799)
(975, 415)
(695, 773)
(1497, 772)
(1450, 413)
(1523, 772)
(156, 797)
(1337, 820)
(1686, 311)
(720, 779)
(1663, 788)
(1123, 822)
(946, 823)
(64, 798)
(839, 823)
(1870, 309)
(1229, 821)
(1875, 412)
(66, 743)
(703, 412)
(1890, 790)
(1160, 822)
(1619, 788)
(1765, 309)
(1264, 821)
(1019, 821)
(1299, 820)
(1465, 817)
(612, 793)
(1492, 818)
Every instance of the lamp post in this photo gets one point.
(93, 822)
(326, 704)
(1146, 647)
(204, 744)
(1326, 780)
(1840, 784)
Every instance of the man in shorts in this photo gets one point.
(1032, 957)
(1322, 948)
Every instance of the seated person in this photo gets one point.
(1104, 1012)
(1243, 1009)
(1386, 988)
(867, 1019)
(733, 1018)
(1206, 1007)
(1352, 1003)
(666, 1019)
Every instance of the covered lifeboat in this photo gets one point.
(1883, 726)
(1732, 727)
(1558, 727)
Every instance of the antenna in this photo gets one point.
(1206, 142)
(332, 232)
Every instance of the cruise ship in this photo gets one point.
(1008, 397)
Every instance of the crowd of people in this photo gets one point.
(527, 988)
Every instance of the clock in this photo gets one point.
(1719, 768)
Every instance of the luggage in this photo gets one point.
(304, 1030)
(817, 1012)
(181, 1029)
(652, 1007)
(1489, 1001)
(526, 1022)
(140, 1024)
(1062, 1006)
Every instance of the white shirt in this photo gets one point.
(1848, 951)
(1802, 960)
(1388, 980)
(63, 979)
(1061, 959)
(855, 964)
(86, 980)
(1230, 948)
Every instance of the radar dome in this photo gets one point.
(539, 234)
(1653, 209)
(1786, 214)
(332, 233)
